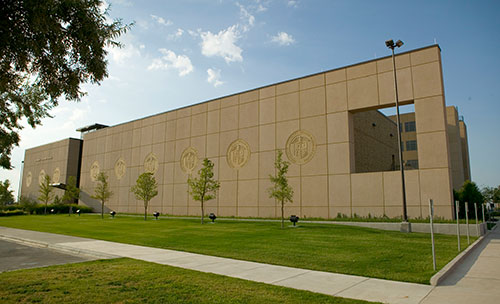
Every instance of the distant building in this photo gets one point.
(457, 141)
(343, 151)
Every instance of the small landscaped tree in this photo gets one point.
(145, 189)
(6, 196)
(281, 191)
(470, 194)
(204, 187)
(101, 190)
(72, 192)
(46, 192)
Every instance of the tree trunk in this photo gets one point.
(145, 211)
(202, 212)
(102, 209)
(45, 209)
(282, 215)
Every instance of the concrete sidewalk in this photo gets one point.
(453, 289)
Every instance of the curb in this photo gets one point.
(60, 248)
(446, 270)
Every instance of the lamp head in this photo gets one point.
(399, 43)
(390, 43)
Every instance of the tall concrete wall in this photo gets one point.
(311, 119)
(59, 160)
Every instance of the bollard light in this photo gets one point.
(212, 217)
(156, 214)
(52, 211)
(294, 219)
(78, 212)
(113, 213)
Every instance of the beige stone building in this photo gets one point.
(457, 142)
(59, 160)
(341, 149)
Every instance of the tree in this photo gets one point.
(280, 190)
(145, 189)
(48, 50)
(46, 192)
(72, 192)
(470, 194)
(6, 196)
(204, 187)
(491, 194)
(101, 190)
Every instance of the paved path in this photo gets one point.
(463, 284)
(15, 256)
(476, 279)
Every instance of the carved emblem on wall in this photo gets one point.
(56, 176)
(300, 147)
(29, 179)
(120, 168)
(238, 154)
(151, 163)
(41, 177)
(94, 171)
(189, 160)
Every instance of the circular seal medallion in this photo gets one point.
(238, 154)
(56, 176)
(94, 171)
(151, 163)
(189, 160)
(120, 168)
(300, 147)
(41, 177)
(29, 179)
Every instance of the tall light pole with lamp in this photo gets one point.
(405, 225)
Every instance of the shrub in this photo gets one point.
(12, 212)
(62, 208)
(27, 204)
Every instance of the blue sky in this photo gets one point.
(181, 52)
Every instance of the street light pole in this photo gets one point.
(390, 44)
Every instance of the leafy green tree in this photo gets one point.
(281, 191)
(48, 50)
(102, 191)
(145, 189)
(204, 187)
(470, 194)
(6, 195)
(491, 194)
(72, 192)
(46, 192)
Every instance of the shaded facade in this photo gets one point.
(59, 160)
(341, 149)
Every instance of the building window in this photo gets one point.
(411, 145)
(410, 126)
(412, 163)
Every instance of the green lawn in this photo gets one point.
(325, 247)
(133, 281)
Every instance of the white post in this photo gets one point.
(431, 212)
(458, 225)
(477, 224)
(467, 221)
(482, 207)
(484, 222)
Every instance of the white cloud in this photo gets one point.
(222, 44)
(170, 60)
(293, 3)
(246, 17)
(283, 38)
(261, 8)
(176, 35)
(142, 46)
(161, 21)
(214, 77)
(120, 55)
